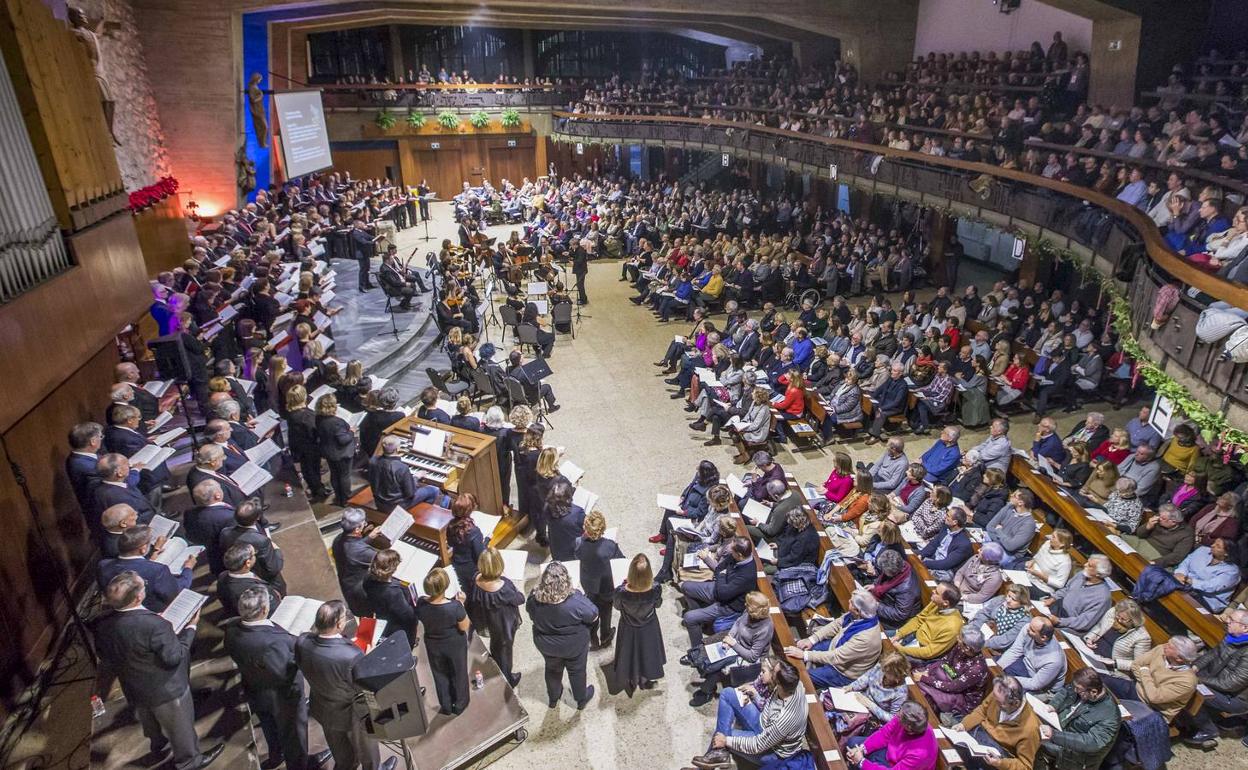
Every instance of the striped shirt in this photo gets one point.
(782, 724)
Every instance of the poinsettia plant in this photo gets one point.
(146, 197)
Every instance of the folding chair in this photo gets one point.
(452, 389)
(562, 314)
(528, 336)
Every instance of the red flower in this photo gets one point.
(146, 197)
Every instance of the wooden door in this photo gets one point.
(510, 163)
(443, 169)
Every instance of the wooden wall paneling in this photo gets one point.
(31, 612)
(49, 331)
(56, 86)
(371, 163)
(163, 237)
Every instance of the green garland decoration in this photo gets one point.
(1214, 427)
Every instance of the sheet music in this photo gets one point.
(160, 420)
(261, 453)
(514, 565)
(266, 423)
(151, 455)
(296, 614)
(585, 499)
(162, 527)
(157, 388)
(542, 306)
(486, 523)
(175, 553)
(717, 651)
(168, 437)
(1017, 576)
(182, 608)
(324, 390)
(765, 551)
(754, 511)
(414, 563)
(1044, 711)
(571, 471)
(846, 701)
(396, 524)
(668, 502)
(352, 419)
(736, 485)
(250, 477)
(1121, 544)
(283, 319)
(1104, 665)
(537, 288)
(430, 442)
(965, 739)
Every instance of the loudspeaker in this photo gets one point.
(396, 706)
(171, 358)
(389, 658)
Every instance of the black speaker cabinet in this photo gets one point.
(396, 708)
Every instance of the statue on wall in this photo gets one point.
(245, 171)
(255, 104)
(88, 32)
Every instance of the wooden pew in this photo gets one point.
(1181, 605)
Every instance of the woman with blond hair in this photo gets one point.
(463, 415)
(493, 606)
(545, 474)
(302, 439)
(595, 553)
(639, 653)
(747, 641)
(562, 617)
(446, 640)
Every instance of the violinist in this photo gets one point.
(453, 310)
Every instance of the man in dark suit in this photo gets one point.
(247, 529)
(205, 522)
(115, 487)
(353, 555)
(209, 462)
(221, 433)
(1054, 382)
(238, 577)
(246, 405)
(327, 659)
(153, 666)
(161, 585)
(85, 440)
(265, 656)
(116, 521)
(889, 399)
(722, 596)
(362, 249)
(392, 481)
(124, 437)
(580, 268)
(241, 436)
(750, 343)
(127, 373)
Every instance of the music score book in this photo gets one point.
(175, 553)
(250, 477)
(261, 453)
(183, 608)
(396, 524)
(296, 614)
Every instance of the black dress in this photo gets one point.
(526, 481)
(541, 490)
(497, 613)
(563, 533)
(639, 653)
(447, 648)
(502, 443)
(464, 555)
(598, 583)
(394, 603)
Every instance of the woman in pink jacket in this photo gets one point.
(907, 742)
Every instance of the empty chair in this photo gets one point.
(452, 389)
(561, 315)
(528, 336)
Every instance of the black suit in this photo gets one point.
(265, 656)
(337, 444)
(153, 665)
(373, 426)
(162, 585)
(580, 267)
(108, 494)
(80, 468)
(230, 491)
(301, 427)
(242, 437)
(394, 603)
(362, 246)
(352, 558)
(329, 666)
(204, 525)
(125, 441)
(269, 559)
(231, 587)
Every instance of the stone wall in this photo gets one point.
(142, 154)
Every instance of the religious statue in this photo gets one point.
(88, 32)
(255, 103)
(245, 171)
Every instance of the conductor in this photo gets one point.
(362, 250)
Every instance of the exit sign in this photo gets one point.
(435, 145)
(511, 142)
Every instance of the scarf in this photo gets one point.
(861, 624)
(1211, 522)
(883, 585)
(1183, 494)
(1233, 639)
(1008, 619)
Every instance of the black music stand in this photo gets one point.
(534, 372)
(425, 199)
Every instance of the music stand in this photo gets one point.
(425, 199)
(534, 371)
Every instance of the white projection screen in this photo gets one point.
(301, 123)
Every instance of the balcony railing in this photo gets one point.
(474, 96)
(1073, 217)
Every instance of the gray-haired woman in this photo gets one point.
(562, 617)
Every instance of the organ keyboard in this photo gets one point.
(468, 461)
